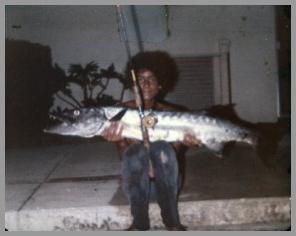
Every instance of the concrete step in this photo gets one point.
(77, 187)
(272, 213)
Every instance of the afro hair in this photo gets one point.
(160, 63)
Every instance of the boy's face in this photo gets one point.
(148, 83)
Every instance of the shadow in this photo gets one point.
(29, 86)
(30, 83)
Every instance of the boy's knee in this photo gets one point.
(163, 157)
(135, 151)
(135, 158)
(162, 151)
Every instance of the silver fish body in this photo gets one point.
(170, 126)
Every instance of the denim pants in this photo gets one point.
(140, 189)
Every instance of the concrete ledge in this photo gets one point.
(236, 211)
(246, 214)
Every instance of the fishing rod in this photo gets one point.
(138, 98)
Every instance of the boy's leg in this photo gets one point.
(135, 183)
(165, 166)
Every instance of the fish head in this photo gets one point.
(84, 122)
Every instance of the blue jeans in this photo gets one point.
(140, 189)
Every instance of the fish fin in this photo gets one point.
(118, 116)
(215, 147)
(201, 112)
(218, 154)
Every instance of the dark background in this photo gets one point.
(31, 80)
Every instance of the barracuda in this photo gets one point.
(170, 126)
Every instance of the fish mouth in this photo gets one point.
(62, 118)
(56, 121)
(67, 125)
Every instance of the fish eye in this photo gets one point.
(76, 113)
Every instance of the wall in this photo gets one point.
(79, 34)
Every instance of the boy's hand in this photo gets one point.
(113, 133)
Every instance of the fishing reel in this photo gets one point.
(149, 121)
